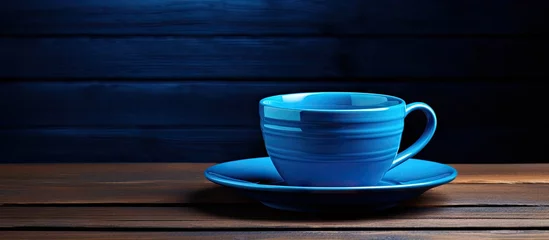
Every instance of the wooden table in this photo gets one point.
(175, 201)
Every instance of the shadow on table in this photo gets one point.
(228, 203)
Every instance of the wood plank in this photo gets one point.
(65, 145)
(151, 121)
(58, 216)
(185, 184)
(253, 217)
(235, 103)
(172, 192)
(321, 17)
(221, 144)
(251, 57)
(280, 235)
(193, 172)
(502, 173)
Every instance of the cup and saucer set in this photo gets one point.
(335, 150)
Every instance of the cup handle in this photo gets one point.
(425, 136)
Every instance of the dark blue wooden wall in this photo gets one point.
(180, 80)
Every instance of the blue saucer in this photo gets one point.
(258, 178)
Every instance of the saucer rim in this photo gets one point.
(242, 184)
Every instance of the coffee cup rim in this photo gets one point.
(265, 102)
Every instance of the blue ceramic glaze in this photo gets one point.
(259, 179)
(338, 138)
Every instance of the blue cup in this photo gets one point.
(338, 139)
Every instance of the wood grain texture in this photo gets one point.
(219, 121)
(322, 17)
(502, 173)
(65, 145)
(458, 103)
(173, 192)
(193, 172)
(185, 184)
(163, 201)
(217, 144)
(249, 57)
(252, 216)
(280, 235)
